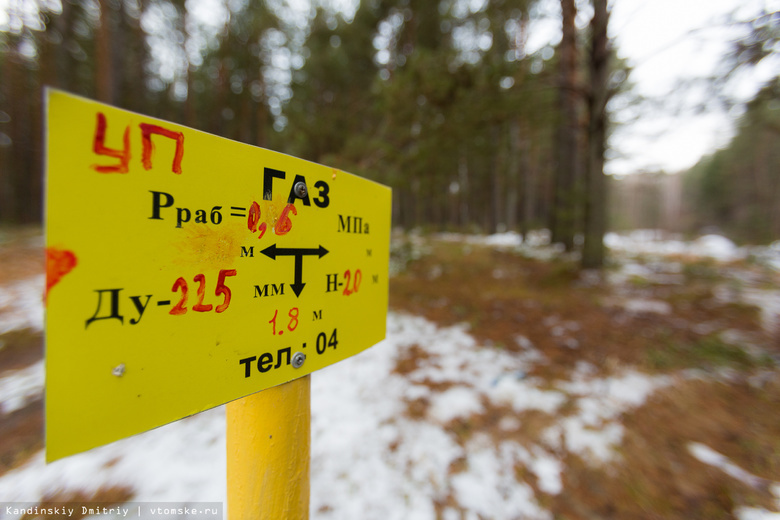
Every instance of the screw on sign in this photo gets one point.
(298, 359)
(300, 190)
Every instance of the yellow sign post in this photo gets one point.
(185, 271)
(268, 453)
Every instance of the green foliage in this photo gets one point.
(737, 188)
(708, 353)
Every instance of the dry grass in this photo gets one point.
(21, 431)
(21, 435)
(20, 349)
(502, 295)
(21, 254)
(659, 478)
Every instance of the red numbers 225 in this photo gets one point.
(181, 285)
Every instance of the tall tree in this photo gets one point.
(565, 207)
(104, 74)
(598, 93)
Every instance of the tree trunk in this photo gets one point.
(565, 200)
(8, 197)
(513, 173)
(463, 185)
(496, 180)
(595, 215)
(103, 72)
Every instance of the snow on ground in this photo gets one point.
(21, 306)
(182, 462)
(711, 457)
(371, 457)
(19, 387)
(642, 242)
(652, 242)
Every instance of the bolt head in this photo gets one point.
(300, 189)
(298, 359)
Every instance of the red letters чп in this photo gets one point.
(100, 148)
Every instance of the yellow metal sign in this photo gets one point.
(185, 271)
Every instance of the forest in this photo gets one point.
(442, 101)
(548, 353)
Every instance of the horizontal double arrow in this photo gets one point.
(272, 252)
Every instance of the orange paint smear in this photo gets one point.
(59, 262)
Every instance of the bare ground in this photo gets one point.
(728, 403)
(570, 317)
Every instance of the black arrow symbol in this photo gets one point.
(272, 252)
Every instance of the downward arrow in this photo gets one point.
(272, 252)
(298, 285)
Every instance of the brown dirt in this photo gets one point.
(501, 295)
(659, 478)
(21, 255)
(21, 431)
(21, 435)
(20, 349)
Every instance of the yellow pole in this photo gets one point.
(268, 435)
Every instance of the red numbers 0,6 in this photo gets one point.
(222, 290)
(282, 226)
(254, 219)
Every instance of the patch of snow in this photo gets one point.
(535, 244)
(181, 462)
(509, 423)
(755, 513)
(593, 443)
(629, 390)
(490, 488)
(594, 430)
(717, 247)
(366, 454)
(708, 456)
(653, 242)
(456, 402)
(548, 469)
(18, 387)
(643, 242)
(524, 342)
(767, 301)
(524, 395)
(21, 304)
(644, 306)
(769, 255)
(505, 240)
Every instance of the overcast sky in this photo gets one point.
(664, 41)
(669, 40)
